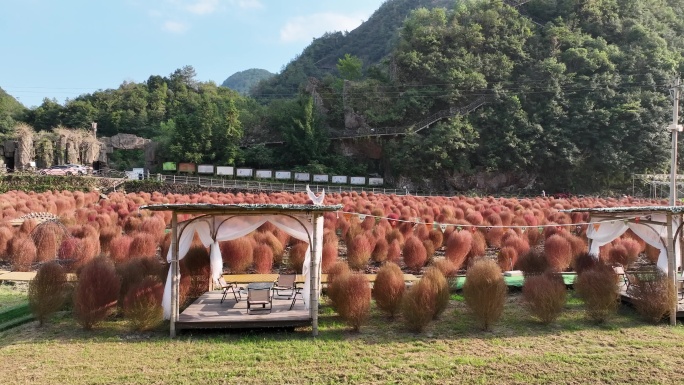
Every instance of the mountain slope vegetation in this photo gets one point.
(371, 42)
(576, 98)
(244, 81)
(11, 112)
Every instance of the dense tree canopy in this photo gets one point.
(576, 94)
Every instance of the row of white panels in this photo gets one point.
(287, 175)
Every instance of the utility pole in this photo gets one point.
(675, 128)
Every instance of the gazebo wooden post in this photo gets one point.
(174, 273)
(316, 257)
(671, 268)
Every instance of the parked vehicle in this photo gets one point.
(83, 170)
(61, 169)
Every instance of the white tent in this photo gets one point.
(216, 223)
(659, 226)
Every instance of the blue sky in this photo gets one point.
(61, 49)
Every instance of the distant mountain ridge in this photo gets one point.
(243, 81)
(372, 41)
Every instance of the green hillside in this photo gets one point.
(372, 41)
(11, 111)
(243, 81)
(575, 92)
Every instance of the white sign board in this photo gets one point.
(320, 178)
(135, 173)
(358, 180)
(339, 179)
(302, 176)
(205, 169)
(283, 175)
(376, 181)
(225, 170)
(245, 172)
(264, 174)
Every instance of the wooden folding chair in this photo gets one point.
(261, 296)
(229, 286)
(285, 282)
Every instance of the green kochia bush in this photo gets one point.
(597, 287)
(485, 292)
(652, 294)
(47, 291)
(142, 305)
(418, 306)
(440, 288)
(544, 296)
(389, 288)
(353, 299)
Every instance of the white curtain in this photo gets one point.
(212, 230)
(651, 233)
(604, 233)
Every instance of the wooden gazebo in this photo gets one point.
(659, 226)
(219, 222)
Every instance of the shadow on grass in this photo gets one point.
(456, 323)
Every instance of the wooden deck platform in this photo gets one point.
(207, 312)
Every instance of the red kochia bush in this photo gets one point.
(154, 226)
(485, 292)
(97, 292)
(389, 288)
(143, 245)
(618, 255)
(353, 299)
(507, 257)
(142, 305)
(330, 254)
(379, 253)
(46, 292)
(336, 271)
(447, 267)
(394, 251)
(415, 255)
(263, 259)
(544, 296)
(107, 234)
(458, 246)
(437, 238)
(558, 252)
(90, 248)
(596, 286)
(478, 246)
(6, 235)
(23, 253)
(119, 248)
(584, 261)
(47, 238)
(297, 256)
(238, 254)
(418, 306)
(359, 252)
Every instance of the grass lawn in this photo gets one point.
(12, 295)
(452, 350)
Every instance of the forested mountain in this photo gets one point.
(576, 97)
(11, 111)
(243, 81)
(372, 41)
